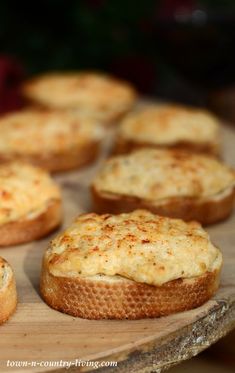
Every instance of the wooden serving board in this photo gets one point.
(38, 333)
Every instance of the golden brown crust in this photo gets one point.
(26, 230)
(56, 162)
(206, 211)
(125, 299)
(107, 122)
(125, 146)
(101, 95)
(170, 126)
(8, 296)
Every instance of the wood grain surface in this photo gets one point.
(38, 333)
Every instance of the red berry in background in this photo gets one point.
(11, 76)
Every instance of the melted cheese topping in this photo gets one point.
(90, 92)
(5, 273)
(139, 246)
(156, 175)
(37, 131)
(169, 124)
(25, 191)
(2, 272)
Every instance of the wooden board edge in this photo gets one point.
(173, 349)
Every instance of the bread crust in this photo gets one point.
(125, 146)
(57, 162)
(8, 298)
(108, 121)
(205, 211)
(26, 230)
(125, 299)
(107, 117)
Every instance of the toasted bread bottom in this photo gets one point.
(124, 146)
(100, 298)
(205, 211)
(55, 162)
(8, 299)
(21, 231)
(106, 119)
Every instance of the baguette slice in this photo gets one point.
(169, 126)
(125, 146)
(102, 96)
(208, 211)
(8, 296)
(172, 183)
(26, 230)
(61, 161)
(129, 266)
(104, 297)
(54, 140)
(30, 203)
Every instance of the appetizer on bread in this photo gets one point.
(56, 141)
(129, 266)
(8, 296)
(100, 95)
(170, 126)
(172, 183)
(30, 203)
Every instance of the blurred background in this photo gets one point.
(174, 49)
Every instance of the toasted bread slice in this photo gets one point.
(30, 203)
(169, 126)
(71, 159)
(124, 146)
(96, 94)
(26, 230)
(56, 141)
(129, 266)
(8, 296)
(206, 211)
(169, 183)
(103, 297)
